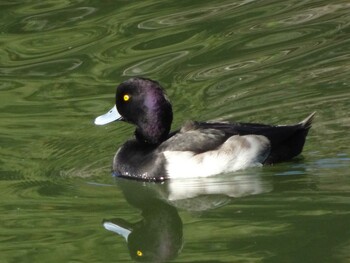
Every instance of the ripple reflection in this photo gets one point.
(195, 15)
(52, 20)
(154, 64)
(50, 68)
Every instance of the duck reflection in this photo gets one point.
(158, 236)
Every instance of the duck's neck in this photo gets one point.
(157, 127)
(150, 138)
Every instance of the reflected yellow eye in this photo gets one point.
(139, 253)
(126, 97)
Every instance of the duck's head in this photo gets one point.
(142, 102)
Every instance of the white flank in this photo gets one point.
(238, 152)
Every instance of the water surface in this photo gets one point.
(252, 61)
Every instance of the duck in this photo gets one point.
(197, 149)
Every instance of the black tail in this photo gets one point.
(293, 144)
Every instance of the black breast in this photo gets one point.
(141, 161)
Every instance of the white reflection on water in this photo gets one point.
(231, 186)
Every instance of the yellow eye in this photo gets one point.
(139, 253)
(126, 97)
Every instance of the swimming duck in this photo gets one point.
(198, 149)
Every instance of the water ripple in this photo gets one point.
(239, 66)
(313, 13)
(50, 68)
(51, 20)
(154, 64)
(35, 7)
(275, 38)
(194, 15)
(46, 45)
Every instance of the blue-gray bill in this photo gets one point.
(110, 116)
(124, 232)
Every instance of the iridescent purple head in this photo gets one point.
(142, 102)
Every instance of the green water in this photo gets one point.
(252, 61)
